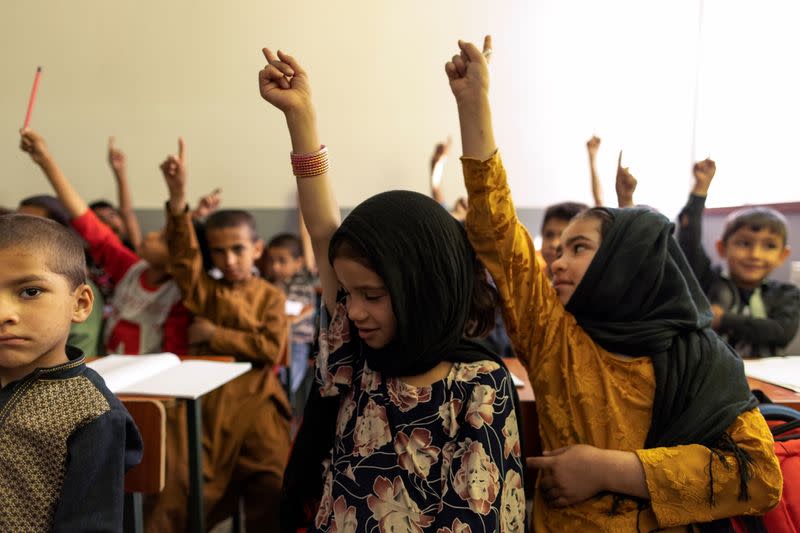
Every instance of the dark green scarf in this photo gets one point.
(639, 297)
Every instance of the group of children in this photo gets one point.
(411, 421)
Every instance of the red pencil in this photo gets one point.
(33, 97)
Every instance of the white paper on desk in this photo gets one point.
(781, 371)
(517, 381)
(165, 375)
(293, 308)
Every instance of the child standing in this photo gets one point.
(645, 415)
(65, 440)
(759, 317)
(245, 422)
(284, 266)
(147, 315)
(410, 426)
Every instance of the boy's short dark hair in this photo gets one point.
(64, 251)
(101, 204)
(289, 242)
(564, 211)
(756, 219)
(231, 218)
(53, 207)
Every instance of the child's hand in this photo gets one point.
(116, 158)
(174, 170)
(592, 145)
(571, 474)
(34, 144)
(207, 204)
(703, 174)
(284, 83)
(201, 330)
(626, 184)
(468, 72)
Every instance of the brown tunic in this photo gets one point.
(246, 437)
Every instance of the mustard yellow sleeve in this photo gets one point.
(678, 477)
(186, 262)
(531, 309)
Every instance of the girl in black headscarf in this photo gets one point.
(645, 415)
(411, 425)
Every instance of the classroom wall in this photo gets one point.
(663, 80)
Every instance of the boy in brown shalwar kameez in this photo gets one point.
(246, 422)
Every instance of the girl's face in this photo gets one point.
(369, 304)
(579, 243)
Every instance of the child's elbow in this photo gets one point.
(766, 486)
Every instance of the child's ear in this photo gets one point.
(722, 249)
(787, 251)
(258, 249)
(84, 301)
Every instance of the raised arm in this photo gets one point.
(690, 223)
(530, 305)
(592, 146)
(626, 184)
(438, 159)
(117, 161)
(34, 144)
(284, 84)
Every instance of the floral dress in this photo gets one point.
(443, 458)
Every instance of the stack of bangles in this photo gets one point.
(310, 165)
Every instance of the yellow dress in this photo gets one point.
(586, 395)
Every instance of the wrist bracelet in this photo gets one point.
(310, 165)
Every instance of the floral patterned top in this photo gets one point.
(444, 458)
(587, 395)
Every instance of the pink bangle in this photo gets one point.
(310, 165)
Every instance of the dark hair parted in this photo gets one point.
(602, 215)
(231, 218)
(756, 219)
(289, 242)
(62, 249)
(564, 211)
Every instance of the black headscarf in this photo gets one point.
(424, 258)
(639, 297)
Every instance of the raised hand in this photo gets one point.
(207, 204)
(593, 145)
(116, 157)
(33, 143)
(174, 170)
(703, 174)
(468, 72)
(626, 184)
(283, 83)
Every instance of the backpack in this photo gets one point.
(784, 423)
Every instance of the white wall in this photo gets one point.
(149, 71)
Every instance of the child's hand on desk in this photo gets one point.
(174, 170)
(284, 84)
(116, 158)
(626, 184)
(201, 330)
(468, 72)
(34, 144)
(703, 174)
(571, 474)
